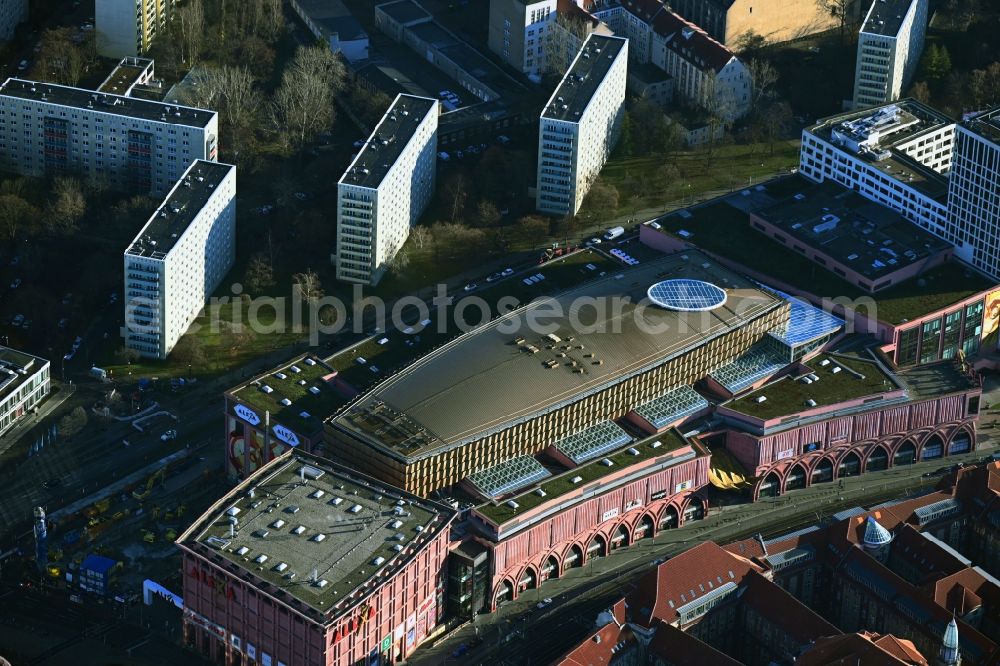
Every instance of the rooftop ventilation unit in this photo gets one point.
(314, 390)
(233, 511)
(299, 530)
(356, 508)
(378, 561)
(318, 537)
(260, 559)
(217, 542)
(336, 501)
(242, 550)
(759, 399)
(286, 402)
(309, 361)
(512, 504)
(317, 494)
(280, 566)
(606, 462)
(576, 479)
(321, 583)
(540, 492)
(266, 389)
(811, 402)
(296, 369)
(261, 534)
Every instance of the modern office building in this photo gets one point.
(128, 27)
(897, 155)
(385, 189)
(889, 47)
(517, 32)
(309, 562)
(123, 142)
(973, 197)
(24, 383)
(12, 14)
(179, 258)
(579, 125)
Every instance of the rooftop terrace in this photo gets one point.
(126, 74)
(584, 77)
(491, 377)
(182, 205)
(839, 379)
(388, 141)
(848, 228)
(315, 531)
(291, 399)
(934, 379)
(723, 229)
(50, 93)
(664, 445)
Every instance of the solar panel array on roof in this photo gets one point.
(687, 295)
(508, 476)
(805, 322)
(676, 404)
(593, 441)
(756, 363)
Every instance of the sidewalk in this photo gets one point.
(27, 423)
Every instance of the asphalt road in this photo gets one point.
(519, 633)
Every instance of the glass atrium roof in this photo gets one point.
(805, 322)
(508, 476)
(686, 295)
(593, 441)
(672, 406)
(756, 363)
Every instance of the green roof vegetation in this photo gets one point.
(560, 274)
(788, 396)
(499, 513)
(719, 227)
(318, 406)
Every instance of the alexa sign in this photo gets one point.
(285, 435)
(247, 414)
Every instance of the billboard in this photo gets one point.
(991, 314)
(245, 449)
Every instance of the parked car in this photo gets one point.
(15, 283)
(168, 435)
(544, 603)
(15, 260)
(507, 272)
(77, 342)
(26, 325)
(63, 323)
(23, 65)
(471, 286)
(494, 277)
(503, 139)
(17, 320)
(67, 299)
(443, 156)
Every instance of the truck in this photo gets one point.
(613, 233)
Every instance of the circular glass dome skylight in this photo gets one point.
(686, 295)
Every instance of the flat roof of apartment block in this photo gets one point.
(387, 142)
(585, 75)
(308, 530)
(125, 75)
(179, 209)
(16, 367)
(886, 17)
(131, 107)
(865, 236)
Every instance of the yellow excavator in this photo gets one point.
(143, 492)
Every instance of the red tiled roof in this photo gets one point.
(901, 648)
(691, 42)
(600, 646)
(690, 575)
(861, 648)
(924, 554)
(682, 649)
(964, 590)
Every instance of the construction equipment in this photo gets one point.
(142, 492)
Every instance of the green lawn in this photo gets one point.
(728, 167)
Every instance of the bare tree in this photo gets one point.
(421, 236)
(454, 195)
(763, 75)
(303, 103)
(74, 422)
(259, 273)
(61, 59)
(842, 11)
(561, 43)
(191, 18)
(65, 207)
(16, 216)
(602, 199)
(234, 93)
(308, 285)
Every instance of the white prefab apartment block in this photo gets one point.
(386, 189)
(179, 258)
(889, 47)
(973, 192)
(24, 382)
(579, 125)
(12, 14)
(125, 143)
(128, 27)
(897, 154)
(517, 32)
